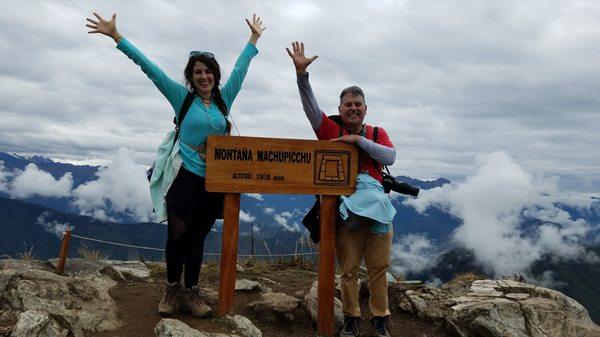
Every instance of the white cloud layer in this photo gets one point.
(284, 219)
(34, 181)
(120, 187)
(246, 217)
(493, 204)
(413, 253)
(256, 196)
(52, 226)
(4, 176)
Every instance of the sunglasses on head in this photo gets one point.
(206, 54)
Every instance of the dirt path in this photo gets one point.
(137, 302)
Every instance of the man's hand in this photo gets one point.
(350, 139)
(108, 28)
(256, 28)
(301, 62)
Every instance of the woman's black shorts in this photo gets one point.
(188, 199)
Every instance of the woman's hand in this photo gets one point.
(350, 139)
(301, 62)
(256, 28)
(108, 28)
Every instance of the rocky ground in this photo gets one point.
(112, 298)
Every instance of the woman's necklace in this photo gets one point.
(206, 101)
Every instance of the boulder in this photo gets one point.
(247, 285)
(243, 325)
(44, 301)
(498, 308)
(135, 269)
(168, 327)
(33, 323)
(276, 306)
(311, 302)
(117, 270)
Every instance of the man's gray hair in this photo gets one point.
(354, 91)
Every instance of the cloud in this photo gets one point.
(284, 220)
(4, 176)
(413, 253)
(121, 187)
(494, 205)
(268, 210)
(34, 181)
(53, 227)
(256, 196)
(246, 217)
(547, 279)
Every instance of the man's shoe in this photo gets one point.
(351, 326)
(193, 303)
(380, 326)
(171, 299)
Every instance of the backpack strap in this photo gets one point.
(187, 102)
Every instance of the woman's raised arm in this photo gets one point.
(256, 28)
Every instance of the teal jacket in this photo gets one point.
(200, 122)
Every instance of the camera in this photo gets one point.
(390, 183)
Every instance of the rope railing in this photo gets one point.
(162, 249)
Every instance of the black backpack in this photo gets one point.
(187, 102)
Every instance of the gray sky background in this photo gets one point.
(448, 81)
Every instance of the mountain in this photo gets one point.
(81, 173)
(27, 226)
(270, 212)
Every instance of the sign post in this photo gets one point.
(237, 165)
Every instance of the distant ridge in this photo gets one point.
(425, 185)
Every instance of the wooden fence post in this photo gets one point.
(64, 251)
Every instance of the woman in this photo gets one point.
(190, 209)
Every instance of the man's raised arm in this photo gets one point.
(309, 103)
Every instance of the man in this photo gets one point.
(368, 213)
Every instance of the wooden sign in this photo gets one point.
(237, 165)
(280, 166)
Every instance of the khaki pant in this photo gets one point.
(376, 249)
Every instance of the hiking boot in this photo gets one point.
(380, 326)
(171, 300)
(193, 303)
(351, 326)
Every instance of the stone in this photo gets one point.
(243, 325)
(71, 303)
(168, 327)
(33, 323)
(311, 302)
(546, 317)
(410, 283)
(516, 296)
(136, 269)
(276, 306)
(498, 309)
(495, 317)
(248, 285)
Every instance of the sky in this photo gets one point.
(450, 82)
